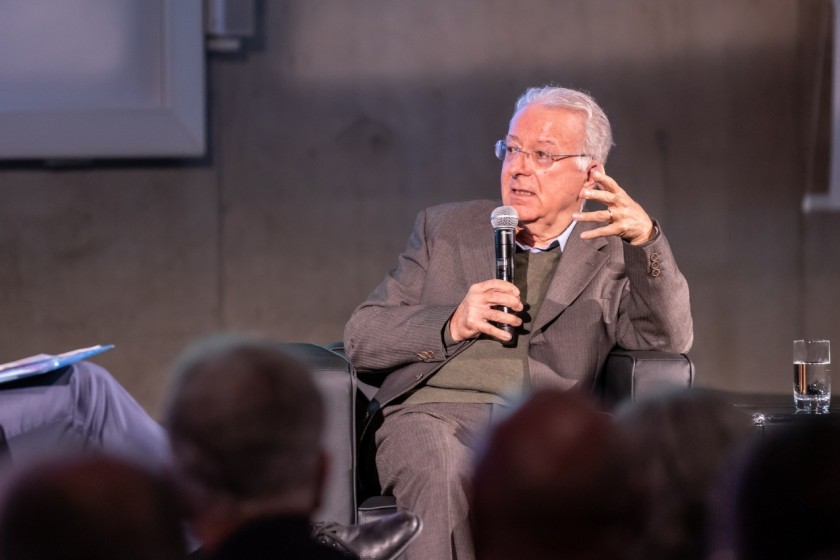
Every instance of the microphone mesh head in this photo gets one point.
(504, 217)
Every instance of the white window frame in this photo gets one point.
(174, 128)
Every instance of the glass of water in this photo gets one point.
(812, 375)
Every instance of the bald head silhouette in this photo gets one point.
(556, 481)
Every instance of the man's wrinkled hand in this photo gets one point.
(624, 216)
(475, 314)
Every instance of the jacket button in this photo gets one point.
(654, 269)
(425, 355)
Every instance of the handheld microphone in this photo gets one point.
(504, 220)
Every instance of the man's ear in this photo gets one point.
(594, 167)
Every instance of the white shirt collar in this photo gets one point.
(560, 239)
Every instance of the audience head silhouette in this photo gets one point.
(245, 421)
(90, 508)
(787, 494)
(556, 481)
(683, 440)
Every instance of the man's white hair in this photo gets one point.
(597, 133)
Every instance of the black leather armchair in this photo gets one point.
(626, 375)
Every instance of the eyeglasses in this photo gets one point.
(539, 158)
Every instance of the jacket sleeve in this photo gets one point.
(393, 327)
(654, 311)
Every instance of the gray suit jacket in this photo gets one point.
(604, 293)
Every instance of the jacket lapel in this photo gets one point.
(477, 250)
(580, 262)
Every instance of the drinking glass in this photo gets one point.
(812, 375)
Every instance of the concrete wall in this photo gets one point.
(346, 118)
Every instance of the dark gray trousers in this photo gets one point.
(424, 456)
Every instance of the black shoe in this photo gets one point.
(383, 539)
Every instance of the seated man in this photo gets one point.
(82, 406)
(584, 282)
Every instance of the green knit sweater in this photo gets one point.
(488, 372)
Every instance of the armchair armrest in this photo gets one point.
(335, 378)
(633, 374)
